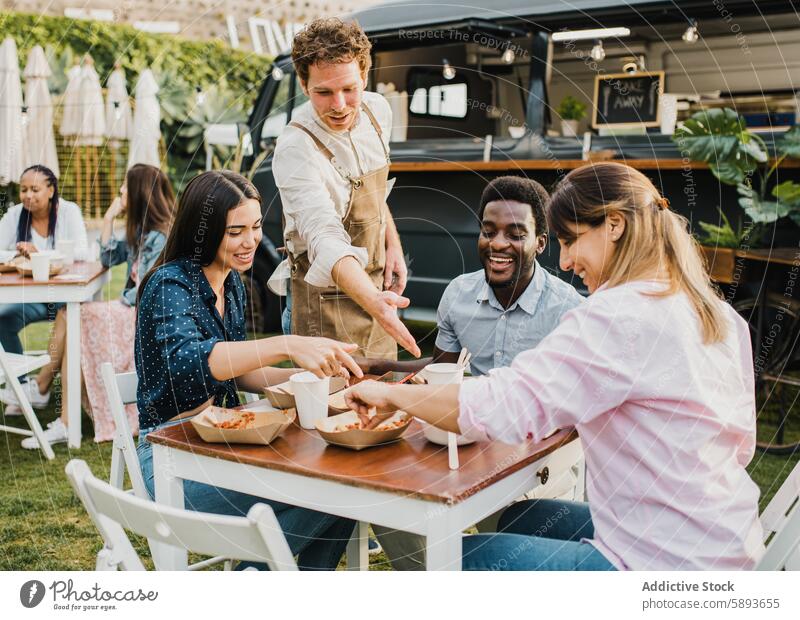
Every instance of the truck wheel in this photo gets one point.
(263, 311)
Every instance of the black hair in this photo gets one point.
(25, 217)
(519, 189)
(202, 216)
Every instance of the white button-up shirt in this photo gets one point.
(314, 194)
(69, 227)
(667, 425)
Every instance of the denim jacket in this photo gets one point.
(116, 252)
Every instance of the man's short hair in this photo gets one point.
(519, 189)
(331, 41)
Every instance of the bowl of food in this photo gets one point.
(281, 396)
(346, 430)
(24, 266)
(220, 425)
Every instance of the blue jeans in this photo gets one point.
(14, 317)
(541, 535)
(286, 316)
(318, 539)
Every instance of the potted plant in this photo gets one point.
(571, 111)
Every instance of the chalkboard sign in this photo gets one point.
(627, 99)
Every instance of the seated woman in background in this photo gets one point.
(36, 224)
(191, 350)
(108, 328)
(655, 372)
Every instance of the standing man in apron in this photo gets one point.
(345, 272)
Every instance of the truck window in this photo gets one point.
(431, 97)
(288, 97)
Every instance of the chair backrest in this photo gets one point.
(258, 537)
(781, 523)
(121, 391)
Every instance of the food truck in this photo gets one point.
(497, 88)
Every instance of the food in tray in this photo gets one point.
(392, 423)
(239, 421)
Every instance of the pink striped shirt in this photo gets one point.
(667, 425)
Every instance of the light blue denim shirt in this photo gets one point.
(469, 315)
(115, 252)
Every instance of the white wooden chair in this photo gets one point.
(256, 538)
(121, 391)
(781, 523)
(13, 365)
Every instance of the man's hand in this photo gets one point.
(383, 309)
(369, 396)
(395, 274)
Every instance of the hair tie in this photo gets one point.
(662, 203)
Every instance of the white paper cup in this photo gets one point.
(40, 265)
(66, 247)
(311, 397)
(443, 374)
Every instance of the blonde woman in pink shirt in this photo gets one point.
(655, 372)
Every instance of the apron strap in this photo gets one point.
(377, 128)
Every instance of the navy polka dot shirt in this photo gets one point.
(177, 326)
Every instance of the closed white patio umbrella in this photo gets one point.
(41, 141)
(12, 143)
(91, 129)
(70, 103)
(119, 120)
(146, 123)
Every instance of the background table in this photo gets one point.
(406, 485)
(91, 278)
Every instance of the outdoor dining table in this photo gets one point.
(77, 283)
(405, 485)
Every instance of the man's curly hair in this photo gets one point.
(330, 40)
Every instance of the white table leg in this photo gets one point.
(168, 491)
(443, 547)
(358, 548)
(74, 374)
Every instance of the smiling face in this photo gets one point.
(35, 193)
(335, 91)
(588, 250)
(242, 236)
(508, 243)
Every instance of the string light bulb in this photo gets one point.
(24, 115)
(509, 56)
(200, 97)
(598, 52)
(277, 73)
(448, 71)
(117, 111)
(691, 34)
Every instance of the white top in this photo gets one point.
(667, 425)
(315, 196)
(69, 226)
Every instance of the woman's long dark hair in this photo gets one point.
(25, 217)
(151, 203)
(201, 218)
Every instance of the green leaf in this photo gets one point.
(719, 137)
(788, 192)
(759, 210)
(789, 144)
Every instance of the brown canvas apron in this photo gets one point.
(329, 312)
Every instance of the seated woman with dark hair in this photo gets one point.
(191, 351)
(108, 327)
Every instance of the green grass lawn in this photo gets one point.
(44, 527)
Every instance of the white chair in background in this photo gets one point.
(781, 523)
(13, 365)
(256, 538)
(121, 391)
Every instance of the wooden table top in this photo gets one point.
(85, 272)
(412, 467)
